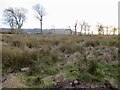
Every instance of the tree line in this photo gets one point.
(16, 17)
(85, 29)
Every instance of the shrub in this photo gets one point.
(93, 68)
(113, 43)
(56, 42)
(51, 70)
(37, 80)
(34, 80)
(30, 45)
(92, 43)
(54, 58)
(16, 43)
(16, 58)
(86, 77)
(70, 49)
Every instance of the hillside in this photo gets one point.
(46, 61)
(58, 31)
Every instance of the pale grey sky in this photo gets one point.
(64, 13)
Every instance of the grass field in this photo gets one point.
(93, 59)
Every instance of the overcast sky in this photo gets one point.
(64, 13)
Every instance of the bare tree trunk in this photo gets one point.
(103, 32)
(81, 29)
(54, 32)
(76, 28)
(113, 32)
(92, 32)
(11, 25)
(41, 25)
(88, 32)
(71, 32)
(107, 30)
(81, 26)
(85, 30)
(88, 29)
(75, 31)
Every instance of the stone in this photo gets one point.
(24, 69)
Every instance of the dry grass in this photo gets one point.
(90, 58)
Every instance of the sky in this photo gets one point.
(64, 13)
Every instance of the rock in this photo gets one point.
(24, 69)
(70, 83)
(75, 82)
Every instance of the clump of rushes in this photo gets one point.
(93, 68)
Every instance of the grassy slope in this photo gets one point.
(89, 58)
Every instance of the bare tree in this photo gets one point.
(15, 17)
(88, 29)
(92, 32)
(100, 29)
(69, 29)
(107, 28)
(81, 26)
(53, 29)
(40, 13)
(75, 27)
(114, 30)
(85, 27)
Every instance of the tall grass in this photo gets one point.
(82, 57)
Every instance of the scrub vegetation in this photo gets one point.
(91, 58)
